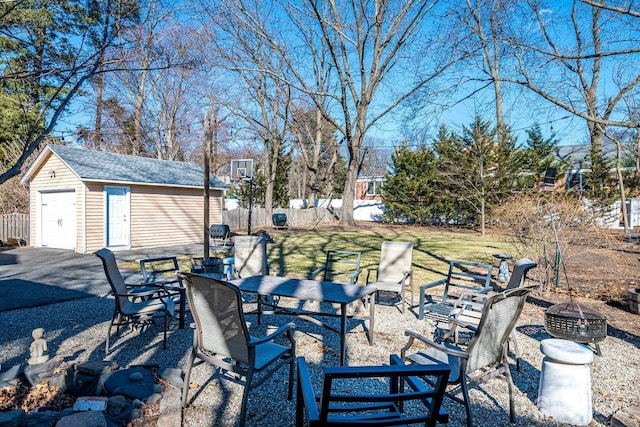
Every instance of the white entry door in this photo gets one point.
(117, 224)
(58, 219)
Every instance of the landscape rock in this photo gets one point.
(10, 377)
(12, 418)
(83, 419)
(120, 382)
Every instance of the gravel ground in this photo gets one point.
(75, 331)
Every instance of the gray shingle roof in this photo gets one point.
(579, 153)
(111, 167)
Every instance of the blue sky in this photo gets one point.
(522, 110)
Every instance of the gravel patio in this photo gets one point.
(75, 331)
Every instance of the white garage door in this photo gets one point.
(58, 219)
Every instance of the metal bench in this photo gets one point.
(463, 278)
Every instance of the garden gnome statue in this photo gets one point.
(38, 348)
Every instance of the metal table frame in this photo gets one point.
(304, 289)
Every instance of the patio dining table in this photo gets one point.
(305, 290)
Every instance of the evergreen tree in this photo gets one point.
(407, 192)
(599, 182)
(537, 156)
(507, 169)
(473, 170)
(448, 150)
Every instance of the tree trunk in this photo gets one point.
(348, 195)
(97, 132)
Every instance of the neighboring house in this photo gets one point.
(368, 205)
(369, 187)
(578, 159)
(85, 200)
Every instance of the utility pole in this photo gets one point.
(208, 132)
(251, 184)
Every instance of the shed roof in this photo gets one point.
(99, 166)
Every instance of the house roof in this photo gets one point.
(579, 154)
(99, 166)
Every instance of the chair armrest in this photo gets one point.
(306, 398)
(432, 284)
(317, 271)
(473, 300)
(280, 331)
(406, 275)
(353, 277)
(143, 285)
(160, 287)
(159, 292)
(465, 325)
(165, 282)
(447, 350)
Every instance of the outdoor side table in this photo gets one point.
(503, 268)
(564, 392)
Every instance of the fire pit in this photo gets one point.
(574, 322)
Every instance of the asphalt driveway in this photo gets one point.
(32, 277)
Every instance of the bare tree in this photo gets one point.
(627, 10)
(365, 44)
(571, 55)
(131, 80)
(570, 74)
(315, 142)
(483, 45)
(176, 93)
(266, 105)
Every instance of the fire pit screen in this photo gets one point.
(574, 322)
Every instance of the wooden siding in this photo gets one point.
(162, 216)
(95, 223)
(62, 179)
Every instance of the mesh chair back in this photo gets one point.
(250, 256)
(216, 307)
(520, 269)
(499, 317)
(395, 260)
(114, 277)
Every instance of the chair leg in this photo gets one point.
(299, 405)
(292, 369)
(106, 350)
(467, 402)
(113, 319)
(167, 320)
(516, 350)
(187, 375)
(512, 405)
(245, 399)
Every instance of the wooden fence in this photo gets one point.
(238, 219)
(14, 226)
